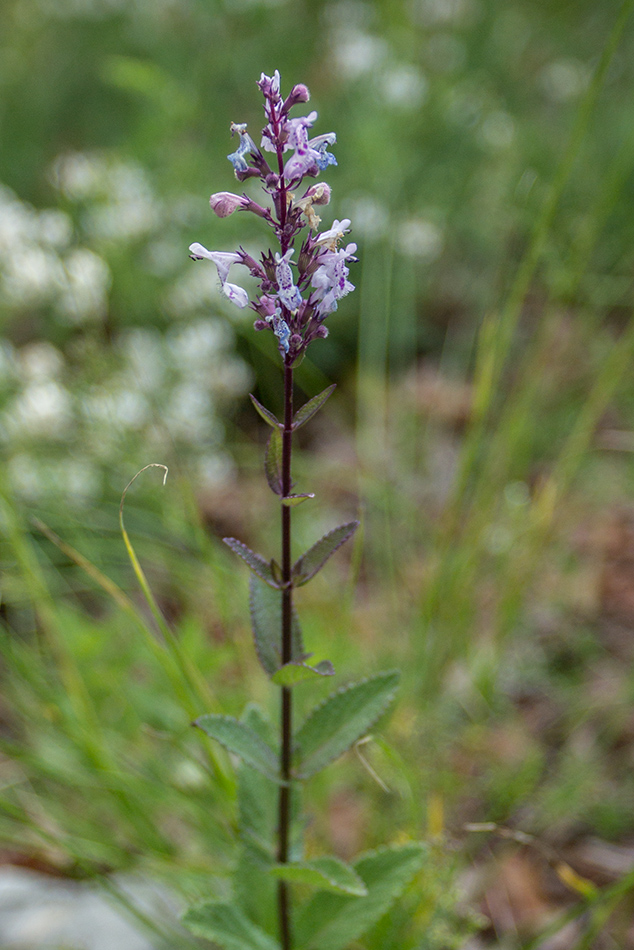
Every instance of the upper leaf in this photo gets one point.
(255, 561)
(266, 414)
(313, 405)
(343, 718)
(266, 621)
(298, 670)
(315, 558)
(333, 921)
(238, 738)
(228, 927)
(291, 501)
(326, 874)
(273, 462)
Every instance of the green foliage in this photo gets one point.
(333, 921)
(325, 874)
(227, 926)
(273, 462)
(313, 405)
(266, 622)
(257, 563)
(265, 414)
(340, 721)
(239, 739)
(314, 559)
(297, 671)
(292, 501)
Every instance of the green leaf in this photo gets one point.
(326, 874)
(254, 887)
(266, 414)
(266, 621)
(313, 405)
(315, 558)
(255, 561)
(343, 718)
(273, 462)
(291, 501)
(297, 671)
(238, 738)
(333, 921)
(227, 926)
(257, 796)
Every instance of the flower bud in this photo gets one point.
(225, 203)
(319, 193)
(298, 93)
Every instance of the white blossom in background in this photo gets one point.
(497, 131)
(404, 86)
(40, 267)
(420, 238)
(122, 204)
(84, 295)
(357, 53)
(444, 12)
(371, 217)
(564, 79)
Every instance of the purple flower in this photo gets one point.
(331, 238)
(223, 262)
(246, 147)
(288, 293)
(270, 85)
(280, 329)
(330, 280)
(293, 304)
(320, 145)
(224, 203)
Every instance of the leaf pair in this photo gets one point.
(329, 921)
(331, 729)
(308, 564)
(302, 416)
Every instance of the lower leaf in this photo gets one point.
(228, 927)
(333, 921)
(326, 874)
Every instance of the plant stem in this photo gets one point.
(287, 620)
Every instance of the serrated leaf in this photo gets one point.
(228, 927)
(314, 559)
(342, 719)
(238, 738)
(313, 405)
(254, 887)
(266, 621)
(291, 501)
(266, 414)
(326, 874)
(333, 921)
(255, 561)
(257, 796)
(273, 462)
(298, 671)
(276, 570)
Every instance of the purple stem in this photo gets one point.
(284, 805)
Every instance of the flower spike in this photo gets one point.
(294, 298)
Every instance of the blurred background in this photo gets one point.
(482, 429)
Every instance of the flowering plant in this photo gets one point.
(322, 274)
(293, 306)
